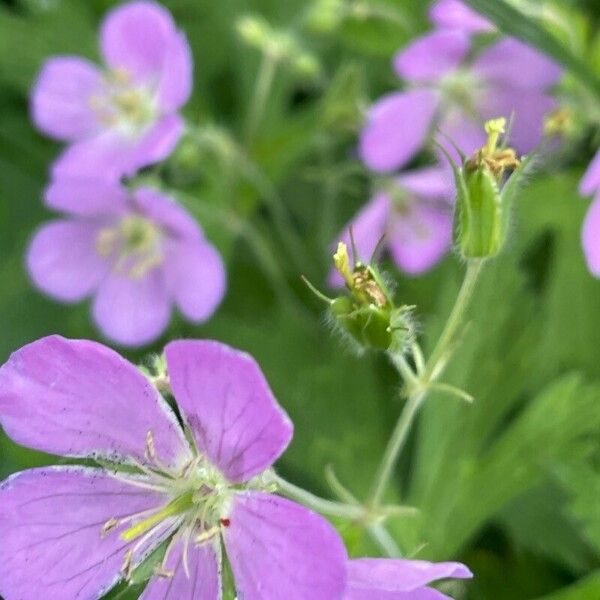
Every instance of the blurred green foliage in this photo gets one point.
(510, 484)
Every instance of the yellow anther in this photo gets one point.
(135, 244)
(161, 572)
(206, 535)
(126, 568)
(150, 451)
(108, 527)
(106, 241)
(341, 260)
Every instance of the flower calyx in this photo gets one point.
(486, 184)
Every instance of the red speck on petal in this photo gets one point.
(225, 522)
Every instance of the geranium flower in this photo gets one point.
(137, 253)
(412, 217)
(453, 14)
(590, 235)
(395, 579)
(195, 481)
(124, 117)
(449, 90)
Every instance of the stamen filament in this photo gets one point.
(176, 507)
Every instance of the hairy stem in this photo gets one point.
(417, 393)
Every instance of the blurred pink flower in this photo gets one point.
(137, 253)
(119, 120)
(455, 93)
(413, 216)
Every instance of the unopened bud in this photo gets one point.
(481, 211)
(325, 15)
(367, 314)
(255, 31)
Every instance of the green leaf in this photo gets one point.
(582, 483)
(586, 589)
(512, 21)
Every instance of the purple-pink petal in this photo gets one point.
(398, 579)
(419, 236)
(279, 549)
(63, 262)
(195, 277)
(591, 179)
(528, 107)
(432, 56)
(368, 228)
(167, 213)
(115, 154)
(50, 526)
(434, 183)
(498, 64)
(135, 37)
(132, 311)
(175, 84)
(61, 100)
(79, 398)
(455, 15)
(203, 583)
(590, 237)
(86, 196)
(465, 133)
(396, 128)
(156, 144)
(229, 407)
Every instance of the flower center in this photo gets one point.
(462, 89)
(125, 106)
(197, 506)
(135, 244)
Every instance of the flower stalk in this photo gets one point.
(419, 387)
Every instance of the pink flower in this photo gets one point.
(136, 253)
(412, 217)
(455, 93)
(125, 117)
(195, 485)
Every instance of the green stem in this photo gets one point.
(437, 358)
(418, 393)
(262, 88)
(320, 505)
(395, 445)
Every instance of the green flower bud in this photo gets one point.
(255, 31)
(481, 210)
(367, 313)
(325, 15)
